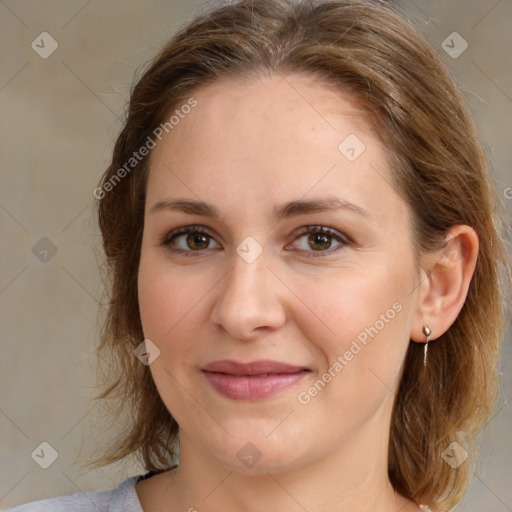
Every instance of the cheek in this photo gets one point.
(153, 302)
(169, 297)
(363, 354)
(361, 317)
(169, 307)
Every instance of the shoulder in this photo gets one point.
(123, 498)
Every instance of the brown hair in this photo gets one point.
(374, 53)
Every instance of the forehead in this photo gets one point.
(273, 111)
(281, 108)
(270, 139)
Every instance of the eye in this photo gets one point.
(188, 240)
(320, 239)
(194, 240)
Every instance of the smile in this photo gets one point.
(254, 380)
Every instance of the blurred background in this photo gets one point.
(66, 68)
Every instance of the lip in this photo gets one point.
(253, 380)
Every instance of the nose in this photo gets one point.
(249, 300)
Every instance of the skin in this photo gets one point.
(250, 146)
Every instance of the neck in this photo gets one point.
(349, 479)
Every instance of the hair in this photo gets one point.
(372, 52)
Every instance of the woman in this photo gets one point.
(299, 223)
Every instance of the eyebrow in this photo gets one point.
(287, 210)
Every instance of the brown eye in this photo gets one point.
(319, 242)
(189, 240)
(197, 241)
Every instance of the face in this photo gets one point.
(277, 275)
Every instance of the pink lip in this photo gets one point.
(253, 380)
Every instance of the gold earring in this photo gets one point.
(427, 332)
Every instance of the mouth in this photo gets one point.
(254, 380)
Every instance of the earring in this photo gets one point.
(427, 332)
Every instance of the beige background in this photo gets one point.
(59, 119)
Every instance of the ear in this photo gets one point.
(445, 278)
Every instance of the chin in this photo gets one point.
(256, 450)
(251, 460)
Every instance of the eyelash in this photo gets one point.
(169, 237)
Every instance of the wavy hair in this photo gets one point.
(374, 53)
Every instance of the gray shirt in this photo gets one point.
(121, 499)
